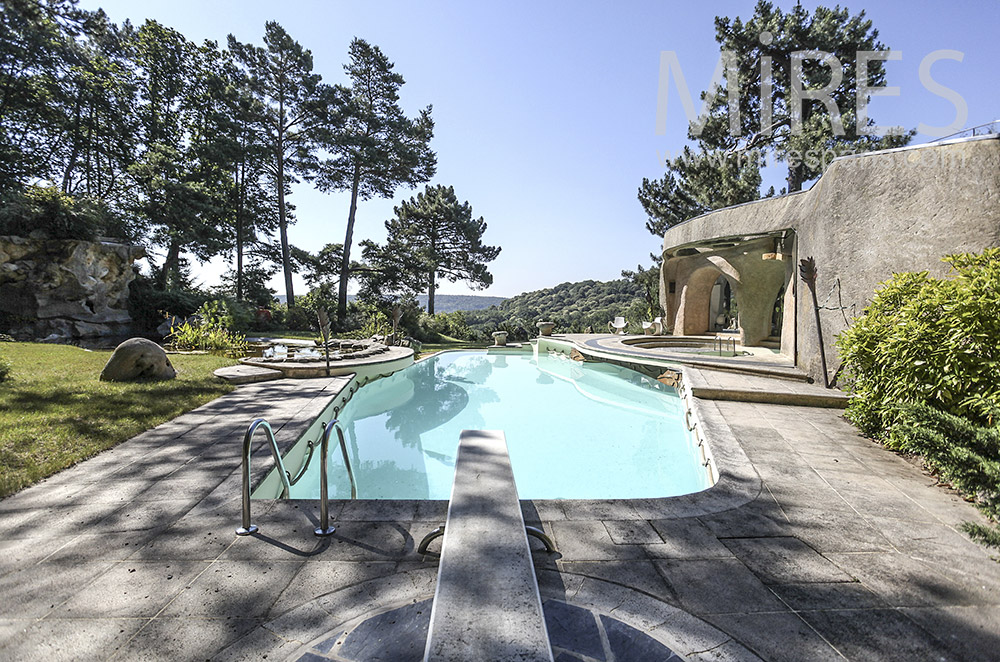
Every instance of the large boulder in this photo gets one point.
(138, 359)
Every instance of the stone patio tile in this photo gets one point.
(876, 634)
(717, 586)
(359, 599)
(186, 638)
(776, 637)
(364, 541)
(740, 410)
(69, 639)
(639, 575)
(586, 509)
(35, 590)
(686, 539)
(118, 492)
(929, 539)
(834, 461)
(833, 595)
(132, 590)
(762, 517)
(806, 490)
(756, 440)
(969, 633)
(54, 521)
(434, 510)
(192, 537)
(24, 552)
(252, 644)
(906, 582)
(631, 532)
(320, 577)
(377, 510)
(48, 493)
(246, 588)
(101, 547)
(784, 560)
(872, 504)
(834, 530)
(590, 541)
(573, 628)
(726, 652)
(136, 517)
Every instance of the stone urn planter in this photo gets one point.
(545, 328)
(499, 338)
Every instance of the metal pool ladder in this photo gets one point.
(324, 529)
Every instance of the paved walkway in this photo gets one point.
(844, 550)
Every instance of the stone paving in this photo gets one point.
(841, 551)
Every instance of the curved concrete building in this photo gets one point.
(869, 216)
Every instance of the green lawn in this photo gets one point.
(55, 412)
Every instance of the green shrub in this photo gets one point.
(210, 330)
(964, 454)
(961, 453)
(55, 215)
(928, 340)
(148, 306)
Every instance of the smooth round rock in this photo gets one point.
(138, 359)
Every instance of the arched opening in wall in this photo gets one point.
(694, 308)
(723, 314)
(777, 315)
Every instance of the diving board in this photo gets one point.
(486, 605)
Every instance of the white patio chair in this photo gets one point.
(617, 327)
(653, 328)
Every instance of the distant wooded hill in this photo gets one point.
(449, 303)
(572, 306)
(446, 303)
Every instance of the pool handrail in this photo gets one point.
(247, 527)
(324, 528)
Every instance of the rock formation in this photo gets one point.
(63, 290)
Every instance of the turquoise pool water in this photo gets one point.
(574, 431)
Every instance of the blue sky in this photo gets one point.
(545, 111)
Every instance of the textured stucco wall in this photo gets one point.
(867, 217)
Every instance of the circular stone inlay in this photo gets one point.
(575, 633)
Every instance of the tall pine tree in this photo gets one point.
(375, 148)
(296, 109)
(434, 236)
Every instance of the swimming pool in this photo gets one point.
(574, 430)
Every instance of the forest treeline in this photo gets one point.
(135, 133)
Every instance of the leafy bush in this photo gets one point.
(928, 340)
(52, 213)
(962, 453)
(148, 306)
(210, 329)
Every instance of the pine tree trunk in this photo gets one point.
(794, 179)
(240, 204)
(345, 265)
(430, 294)
(286, 261)
(171, 265)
